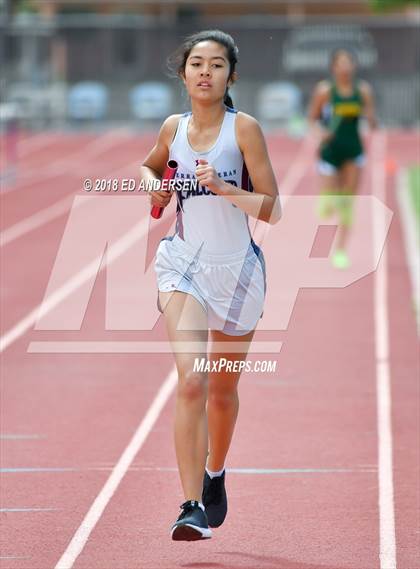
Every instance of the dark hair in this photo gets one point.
(340, 51)
(179, 59)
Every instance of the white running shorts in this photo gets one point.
(231, 288)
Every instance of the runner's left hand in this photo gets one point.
(207, 176)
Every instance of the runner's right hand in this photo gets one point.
(160, 198)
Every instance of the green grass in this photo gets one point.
(414, 182)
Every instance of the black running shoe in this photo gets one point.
(214, 499)
(192, 523)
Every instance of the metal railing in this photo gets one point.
(42, 60)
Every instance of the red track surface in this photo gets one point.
(315, 417)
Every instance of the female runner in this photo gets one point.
(340, 103)
(210, 273)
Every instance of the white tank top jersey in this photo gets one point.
(205, 219)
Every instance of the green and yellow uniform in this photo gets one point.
(343, 121)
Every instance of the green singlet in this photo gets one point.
(344, 122)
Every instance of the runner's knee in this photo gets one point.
(192, 385)
(345, 206)
(223, 399)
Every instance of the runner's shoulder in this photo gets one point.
(365, 88)
(246, 123)
(323, 88)
(247, 128)
(168, 128)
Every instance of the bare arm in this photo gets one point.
(264, 202)
(155, 162)
(320, 97)
(368, 104)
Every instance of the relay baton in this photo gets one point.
(169, 174)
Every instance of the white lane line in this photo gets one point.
(17, 437)
(136, 468)
(67, 164)
(114, 251)
(82, 534)
(411, 234)
(387, 545)
(130, 347)
(91, 150)
(38, 219)
(13, 557)
(35, 142)
(16, 510)
(35, 469)
(298, 167)
(256, 471)
(59, 208)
